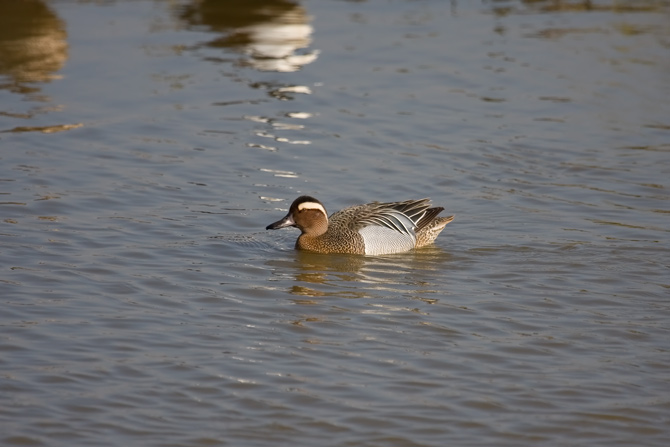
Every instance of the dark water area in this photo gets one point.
(145, 145)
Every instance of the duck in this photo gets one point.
(369, 229)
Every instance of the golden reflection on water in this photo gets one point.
(33, 43)
(617, 6)
(588, 6)
(33, 48)
(44, 129)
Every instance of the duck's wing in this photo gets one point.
(404, 217)
(391, 227)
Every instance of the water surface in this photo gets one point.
(145, 145)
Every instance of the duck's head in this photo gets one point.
(306, 213)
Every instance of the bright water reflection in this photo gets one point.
(272, 34)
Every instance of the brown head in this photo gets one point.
(306, 213)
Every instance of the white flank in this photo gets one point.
(382, 240)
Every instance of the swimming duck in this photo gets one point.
(371, 229)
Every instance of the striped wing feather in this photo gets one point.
(405, 217)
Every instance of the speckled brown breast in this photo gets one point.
(342, 235)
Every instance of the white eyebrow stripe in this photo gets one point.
(312, 206)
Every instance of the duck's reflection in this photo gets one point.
(319, 269)
(33, 45)
(355, 276)
(272, 33)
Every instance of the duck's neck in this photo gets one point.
(315, 230)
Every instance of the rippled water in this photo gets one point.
(145, 145)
